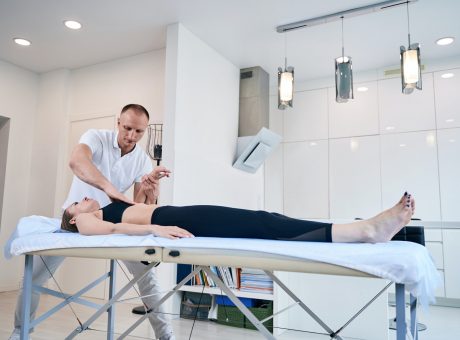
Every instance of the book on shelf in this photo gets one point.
(256, 281)
(244, 279)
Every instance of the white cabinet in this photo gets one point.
(400, 112)
(451, 241)
(409, 163)
(449, 172)
(447, 91)
(306, 179)
(355, 177)
(307, 120)
(357, 117)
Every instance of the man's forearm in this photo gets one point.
(85, 170)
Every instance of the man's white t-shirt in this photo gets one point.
(122, 172)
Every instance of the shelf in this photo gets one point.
(218, 291)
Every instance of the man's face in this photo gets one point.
(131, 128)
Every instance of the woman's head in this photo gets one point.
(86, 205)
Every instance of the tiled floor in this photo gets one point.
(443, 323)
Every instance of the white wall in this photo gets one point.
(201, 127)
(49, 130)
(18, 99)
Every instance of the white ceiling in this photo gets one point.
(241, 30)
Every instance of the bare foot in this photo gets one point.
(385, 225)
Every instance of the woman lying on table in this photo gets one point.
(87, 218)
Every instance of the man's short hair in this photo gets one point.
(137, 108)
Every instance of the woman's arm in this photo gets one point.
(88, 224)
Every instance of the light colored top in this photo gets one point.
(122, 172)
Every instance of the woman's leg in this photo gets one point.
(216, 221)
(380, 228)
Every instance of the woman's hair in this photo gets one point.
(65, 222)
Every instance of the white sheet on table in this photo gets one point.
(401, 262)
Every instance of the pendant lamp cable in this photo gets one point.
(408, 25)
(285, 51)
(343, 44)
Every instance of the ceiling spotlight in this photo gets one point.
(362, 89)
(445, 41)
(447, 75)
(22, 42)
(74, 25)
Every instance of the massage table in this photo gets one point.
(406, 264)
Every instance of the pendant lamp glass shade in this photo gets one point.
(343, 76)
(343, 79)
(411, 71)
(285, 87)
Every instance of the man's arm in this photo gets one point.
(81, 163)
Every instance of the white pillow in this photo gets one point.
(32, 225)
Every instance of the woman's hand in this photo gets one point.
(171, 232)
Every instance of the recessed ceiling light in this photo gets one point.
(362, 89)
(74, 25)
(402, 145)
(22, 42)
(389, 128)
(447, 75)
(445, 41)
(313, 144)
(452, 140)
(450, 120)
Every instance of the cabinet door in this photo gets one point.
(447, 91)
(358, 116)
(409, 163)
(355, 177)
(307, 120)
(451, 240)
(449, 170)
(400, 112)
(306, 179)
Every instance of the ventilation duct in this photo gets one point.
(255, 140)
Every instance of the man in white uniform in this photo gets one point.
(106, 164)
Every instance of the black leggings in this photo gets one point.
(216, 221)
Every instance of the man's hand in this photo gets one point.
(171, 232)
(115, 195)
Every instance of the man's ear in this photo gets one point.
(73, 220)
